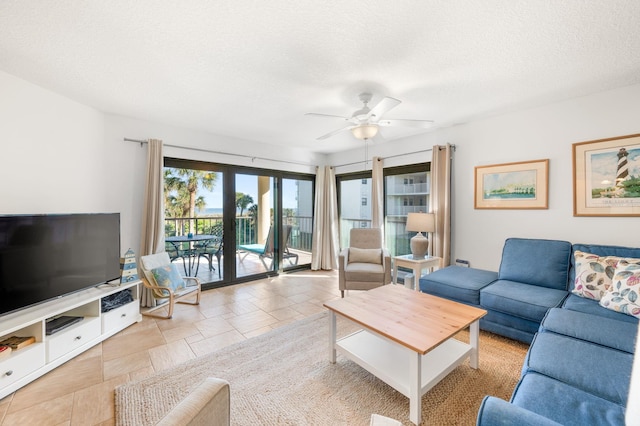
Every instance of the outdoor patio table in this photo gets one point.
(191, 258)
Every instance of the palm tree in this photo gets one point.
(243, 201)
(181, 188)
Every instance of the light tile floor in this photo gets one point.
(80, 392)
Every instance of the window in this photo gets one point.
(403, 196)
(353, 214)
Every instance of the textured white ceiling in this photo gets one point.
(251, 69)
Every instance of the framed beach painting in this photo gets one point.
(606, 177)
(522, 185)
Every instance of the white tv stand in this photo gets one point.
(50, 351)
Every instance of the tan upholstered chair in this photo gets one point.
(365, 264)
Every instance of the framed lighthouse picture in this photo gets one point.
(606, 177)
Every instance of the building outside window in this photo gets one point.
(353, 214)
(407, 190)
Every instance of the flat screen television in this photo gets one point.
(44, 257)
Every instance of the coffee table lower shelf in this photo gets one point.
(393, 363)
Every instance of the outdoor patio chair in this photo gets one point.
(175, 252)
(213, 247)
(165, 283)
(265, 251)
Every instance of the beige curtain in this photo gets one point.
(441, 202)
(153, 210)
(326, 244)
(377, 195)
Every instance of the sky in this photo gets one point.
(603, 166)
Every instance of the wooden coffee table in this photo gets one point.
(406, 339)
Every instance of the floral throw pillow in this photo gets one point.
(624, 295)
(594, 274)
(168, 276)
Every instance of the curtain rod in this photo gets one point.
(392, 156)
(252, 157)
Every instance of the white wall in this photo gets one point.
(56, 159)
(533, 134)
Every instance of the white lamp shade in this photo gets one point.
(421, 222)
(365, 131)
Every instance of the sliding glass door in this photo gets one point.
(297, 222)
(228, 224)
(254, 224)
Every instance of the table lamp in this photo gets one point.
(420, 222)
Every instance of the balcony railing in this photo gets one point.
(301, 232)
(408, 188)
(405, 210)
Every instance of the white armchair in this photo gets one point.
(365, 264)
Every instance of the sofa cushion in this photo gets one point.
(495, 411)
(596, 369)
(509, 326)
(169, 277)
(543, 263)
(593, 274)
(592, 328)
(457, 283)
(360, 255)
(623, 296)
(521, 300)
(363, 272)
(565, 404)
(601, 250)
(580, 304)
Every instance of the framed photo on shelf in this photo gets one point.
(522, 185)
(606, 177)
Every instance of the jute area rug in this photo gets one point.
(284, 377)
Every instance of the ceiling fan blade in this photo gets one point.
(335, 132)
(385, 105)
(406, 123)
(315, 114)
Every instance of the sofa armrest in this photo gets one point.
(208, 404)
(498, 412)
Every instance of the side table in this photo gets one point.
(417, 265)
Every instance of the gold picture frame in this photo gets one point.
(606, 177)
(522, 185)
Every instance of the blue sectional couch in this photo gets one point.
(578, 367)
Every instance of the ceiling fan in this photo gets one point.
(365, 122)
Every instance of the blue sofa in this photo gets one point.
(578, 367)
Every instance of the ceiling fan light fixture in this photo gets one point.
(365, 131)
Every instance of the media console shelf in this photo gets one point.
(50, 351)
